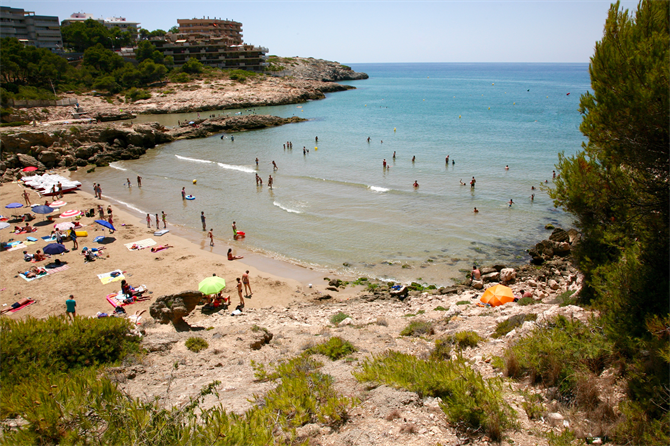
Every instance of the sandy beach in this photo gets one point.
(180, 268)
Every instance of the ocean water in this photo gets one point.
(337, 208)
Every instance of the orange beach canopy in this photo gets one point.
(498, 295)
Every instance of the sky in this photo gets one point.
(381, 31)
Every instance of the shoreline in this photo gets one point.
(180, 268)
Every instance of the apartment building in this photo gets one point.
(214, 27)
(31, 29)
(110, 22)
(214, 51)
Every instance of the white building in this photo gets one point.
(109, 22)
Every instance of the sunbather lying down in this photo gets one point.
(34, 271)
(161, 247)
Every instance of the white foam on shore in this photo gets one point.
(378, 189)
(117, 167)
(130, 206)
(238, 168)
(293, 211)
(195, 160)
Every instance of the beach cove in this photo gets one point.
(336, 208)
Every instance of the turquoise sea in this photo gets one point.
(337, 208)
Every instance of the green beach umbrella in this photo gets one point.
(212, 285)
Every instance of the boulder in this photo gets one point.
(173, 307)
(488, 270)
(574, 236)
(491, 277)
(27, 160)
(259, 338)
(49, 158)
(545, 249)
(347, 321)
(507, 275)
(553, 284)
(559, 235)
(477, 284)
(562, 248)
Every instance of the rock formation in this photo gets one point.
(173, 307)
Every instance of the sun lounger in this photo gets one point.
(108, 278)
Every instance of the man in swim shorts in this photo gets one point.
(71, 307)
(202, 219)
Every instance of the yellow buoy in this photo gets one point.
(493, 83)
(459, 116)
(514, 103)
(489, 108)
(195, 181)
(316, 148)
(394, 129)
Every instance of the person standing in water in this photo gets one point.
(413, 158)
(183, 193)
(210, 234)
(256, 162)
(394, 154)
(202, 219)
(472, 183)
(270, 181)
(316, 139)
(384, 163)
(139, 181)
(234, 230)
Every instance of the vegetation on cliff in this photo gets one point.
(617, 187)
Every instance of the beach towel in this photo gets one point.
(28, 242)
(107, 277)
(57, 270)
(30, 279)
(140, 244)
(17, 247)
(30, 302)
(31, 239)
(49, 238)
(117, 300)
(161, 232)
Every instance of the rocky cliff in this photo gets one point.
(46, 147)
(308, 68)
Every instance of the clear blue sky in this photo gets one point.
(382, 31)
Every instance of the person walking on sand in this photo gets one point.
(164, 216)
(202, 219)
(73, 236)
(270, 181)
(101, 212)
(26, 196)
(239, 292)
(247, 285)
(211, 237)
(71, 307)
(183, 193)
(148, 221)
(139, 181)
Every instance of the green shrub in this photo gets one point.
(526, 301)
(14, 124)
(196, 344)
(136, 94)
(565, 438)
(337, 318)
(558, 354)
(418, 328)
(468, 400)
(511, 323)
(35, 347)
(464, 339)
(440, 308)
(335, 348)
(441, 351)
(463, 302)
(255, 328)
(179, 77)
(533, 406)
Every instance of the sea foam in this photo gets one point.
(238, 168)
(195, 160)
(293, 211)
(117, 167)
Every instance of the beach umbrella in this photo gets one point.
(29, 169)
(57, 204)
(42, 209)
(4, 225)
(14, 205)
(54, 248)
(211, 285)
(498, 295)
(64, 226)
(70, 213)
(106, 224)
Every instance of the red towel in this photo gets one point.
(22, 306)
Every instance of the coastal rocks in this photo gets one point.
(260, 337)
(230, 124)
(111, 116)
(491, 277)
(507, 275)
(308, 68)
(477, 284)
(49, 158)
(28, 161)
(173, 307)
(21, 142)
